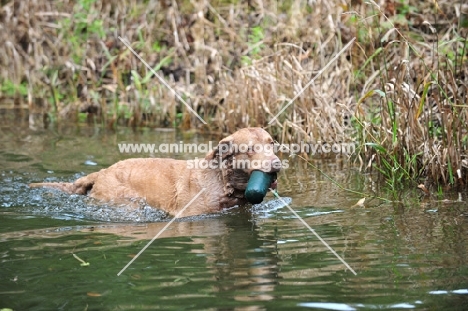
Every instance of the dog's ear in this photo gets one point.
(223, 150)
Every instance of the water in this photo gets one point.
(410, 254)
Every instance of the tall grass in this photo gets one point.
(400, 92)
(415, 122)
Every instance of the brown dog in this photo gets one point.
(170, 184)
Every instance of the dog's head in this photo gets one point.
(239, 154)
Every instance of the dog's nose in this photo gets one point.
(275, 165)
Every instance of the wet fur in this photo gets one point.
(168, 184)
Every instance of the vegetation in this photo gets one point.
(400, 92)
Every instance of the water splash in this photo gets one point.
(16, 196)
(267, 208)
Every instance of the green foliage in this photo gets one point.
(11, 89)
(255, 36)
(255, 44)
(156, 47)
(79, 28)
(404, 8)
(83, 10)
(396, 172)
(82, 117)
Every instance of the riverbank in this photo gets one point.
(399, 91)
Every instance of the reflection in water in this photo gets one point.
(411, 254)
(237, 256)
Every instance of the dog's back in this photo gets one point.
(164, 183)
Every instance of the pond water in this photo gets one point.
(410, 254)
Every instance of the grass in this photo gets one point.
(417, 128)
(400, 92)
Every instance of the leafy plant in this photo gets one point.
(12, 89)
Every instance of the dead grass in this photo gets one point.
(415, 119)
(401, 88)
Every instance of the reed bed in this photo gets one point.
(399, 93)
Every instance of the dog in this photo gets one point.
(170, 184)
